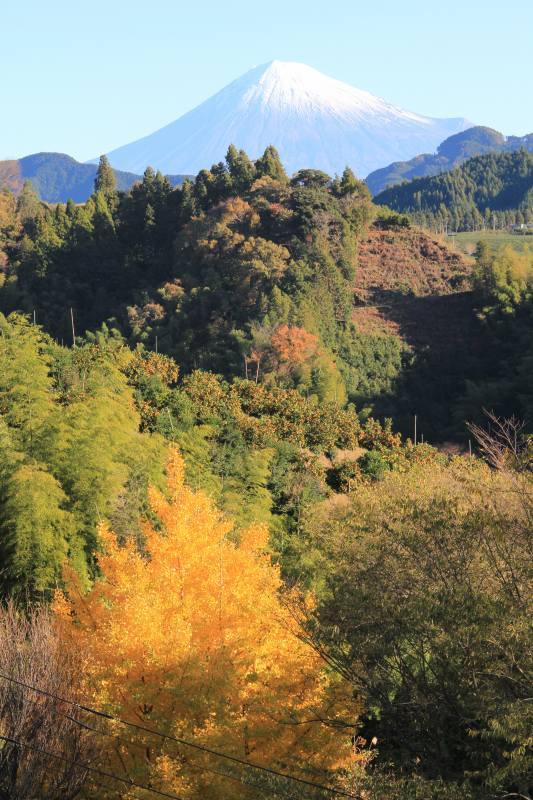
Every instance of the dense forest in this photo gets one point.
(58, 178)
(250, 275)
(225, 571)
(452, 152)
(493, 191)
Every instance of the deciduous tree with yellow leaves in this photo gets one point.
(191, 637)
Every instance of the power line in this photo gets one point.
(129, 743)
(184, 742)
(87, 767)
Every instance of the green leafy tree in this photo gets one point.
(26, 402)
(426, 600)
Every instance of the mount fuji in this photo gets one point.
(313, 120)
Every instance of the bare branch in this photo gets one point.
(503, 445)
(31, 653)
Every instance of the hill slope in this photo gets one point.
(58, 177)
(313, 120)
(247, 274)
(469, 194)
(407, 283)
(411, 288)
(451, 153)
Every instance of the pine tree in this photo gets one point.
(269, 165)
(241, 169)
(349, 184)
(105, 180)
(28, 202)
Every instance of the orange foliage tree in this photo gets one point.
(191, 637)
(293, 346)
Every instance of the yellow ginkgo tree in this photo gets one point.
(191, 637)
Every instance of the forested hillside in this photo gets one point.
(452, 152)
(58, 178)
(243, 272)
(252, 275)
(84, 432)
(225, 563)
(493, 190)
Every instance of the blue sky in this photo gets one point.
(84, 77)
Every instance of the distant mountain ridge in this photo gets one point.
(314, 121)
(452, 152)
(58, 177)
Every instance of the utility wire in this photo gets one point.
(129, 743)
(87, 767)
(184, 742)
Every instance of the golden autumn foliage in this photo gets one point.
(191, 638)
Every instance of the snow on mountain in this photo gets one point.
(313, 120)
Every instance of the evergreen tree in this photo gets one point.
(28, 202)
(349, 183)
(241, 169)
(105, 180)
(269, 165)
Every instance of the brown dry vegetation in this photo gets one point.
(402, 259)
(44, 742)
(412, 285)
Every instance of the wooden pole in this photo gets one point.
(415, 430)
(73, 330)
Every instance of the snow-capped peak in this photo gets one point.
(312, 119)
(290, 85)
